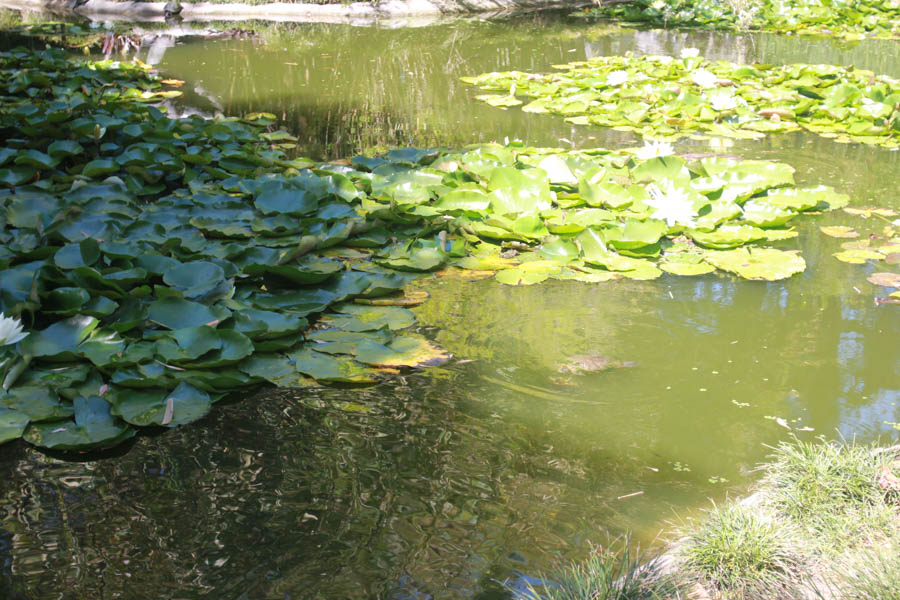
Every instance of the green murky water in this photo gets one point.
(441, 484)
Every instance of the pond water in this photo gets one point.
(443, 483)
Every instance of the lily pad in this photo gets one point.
(61, 339)
(93, 427)
(177, 313)
(402, 351)
(767, 264)
(356, 318)
(12, 424)
(36, 402)
(885, 279)
(327, 368)
(858, 256)
(839, 231)
(196, 279)
(185, 404)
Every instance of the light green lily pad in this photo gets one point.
(858, 256)
(839, 231)
(766, 264)
(885, 279)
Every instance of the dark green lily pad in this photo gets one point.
(185, 404)
(93, 427)
(327, 368)
(60, 340)
(37, 402)
(177, 313)
(12, 424)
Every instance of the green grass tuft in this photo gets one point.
(872, 573)
(741, 554)
(838, 493)
(619, 572)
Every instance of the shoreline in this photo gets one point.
(296, 12)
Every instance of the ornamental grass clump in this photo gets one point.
(839, 493)
(740, 552)
(619, 572)
(871, 574)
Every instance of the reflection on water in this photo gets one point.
(345, 89)
(441, 484)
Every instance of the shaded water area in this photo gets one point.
(444, 483)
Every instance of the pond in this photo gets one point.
(444, 483)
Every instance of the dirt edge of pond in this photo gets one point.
(280, 11)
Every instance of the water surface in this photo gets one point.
(442, 484)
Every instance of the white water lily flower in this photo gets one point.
(654, 149)
(672, 205)
(616, 78)
(689, 52)
(722, 102)
(704, 78)
(664, 59)
(10, 330)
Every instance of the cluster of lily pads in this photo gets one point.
(159, 263)
(850, 20)
(875, 247)
(665, 97)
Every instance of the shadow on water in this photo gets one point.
(306, 494)
(439, 484)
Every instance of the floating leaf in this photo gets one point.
(195, 279)
(858, 256)
(885, 279)
(407, 299)
(866, 212)
(37, 402)
(402, 351)
(839, 231)
(528, 273)
(177, 313)
(185, 404)
(12, 424)
(61, 339)
(356, 318)
(324, 367)
(767, 264)
(94, 426)
(337, 341)
(274, 368)
(685, 264)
